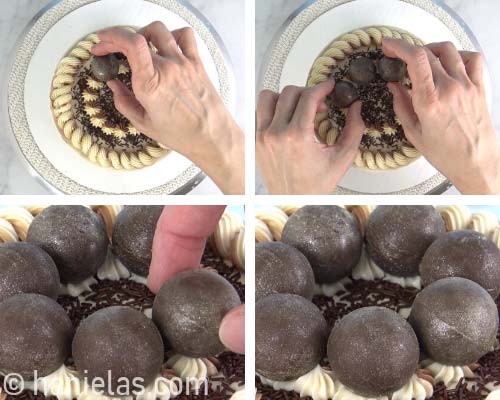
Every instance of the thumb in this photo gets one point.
(403, 108)
(350, 138)
(232, 330)
(126, 103)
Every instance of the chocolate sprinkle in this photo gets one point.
(381, 293)
(126, 292)
(106, 103)
(376, 108)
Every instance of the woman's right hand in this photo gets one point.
(446, 117)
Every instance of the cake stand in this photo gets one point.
(316, 23)
(46, 39)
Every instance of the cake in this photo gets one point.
(84, 111)
(361, 71)
(369, 288)
(115, 307)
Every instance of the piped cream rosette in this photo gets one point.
(63, 109)
(325, 65)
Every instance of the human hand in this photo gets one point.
(446, 117)
(289, 158)
(174, 101)
(178, 244)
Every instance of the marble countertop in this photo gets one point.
(271, 14)
(227, 17)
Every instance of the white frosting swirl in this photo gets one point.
(455, 217)
(239, 395)
(238, 250)
(7, 232)
(417, 388)
(76, 289)
(108, 214)
(112, 269)
(275, 218)
(343, 393)
(191, 368)
(449, 375)
(495, 236)
(290, 209)
(484, 222)
(494, 395)
(227, 228)
(262, 233)
(367, 270)
(317, 383)
(331, 289)
(64, 383)
(19, 217)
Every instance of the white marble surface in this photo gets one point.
(478, 14)
(227, 16)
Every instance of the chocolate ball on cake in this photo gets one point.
(105, 68)
(189, 309)
(133, 233)
(290, 336)
(392, 69)
(281, 268)
(26, 268)
(466, 254)
(344, 94)
(398, 236)
(373, 351)
(329, 237)
(362, 71)
(75, 238)
(456, 321)
(121, 340)
(35, 334)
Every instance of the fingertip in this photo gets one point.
(232, 330)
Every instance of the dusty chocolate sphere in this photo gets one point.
(398, 236)
(329, 237)
(392, 69)
(121, 340)
(344, 94)
(456, 321)
(133, 233)
(105, 68)
(75, 238)
(281, 268)
(466, 254)
(362, 71)
(35, 334)
(290, 336)
(373, 351)
(189, 309)
(26, 268)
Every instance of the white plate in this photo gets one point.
(70, 172)
(314, 26)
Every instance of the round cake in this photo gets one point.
(84, 111)
(356, 62)
(367, 288)
(115, 297)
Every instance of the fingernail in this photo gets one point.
(232, 330)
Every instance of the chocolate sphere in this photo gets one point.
(75, 238)
(105, 68)
(329, 237)
(456, 321)
(281, 268)
(344, 94)
(35, 334)
(373, 351)
(392, 69)
(189, 309)
(121, 340)
(362, 71)
(466, 254)
(133, 233)
(398, 236)
(26, 268)
(290, 336)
